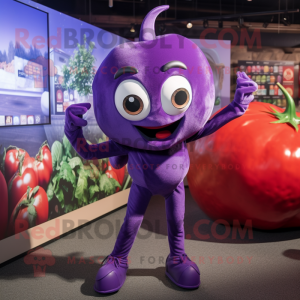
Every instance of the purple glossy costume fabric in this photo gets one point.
(157, 166)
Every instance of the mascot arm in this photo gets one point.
(243, 96)
(73, 131)
(118, 162)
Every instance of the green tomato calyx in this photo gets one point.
(289, 115)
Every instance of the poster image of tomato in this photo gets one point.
(248, 170)
(3, 206)
(112, 174)
(18, 184)
(104, 165)
(119, 172)
(11, 161)
(44, 165)
(31, 210)
(29, 163)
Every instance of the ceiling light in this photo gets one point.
(132, 28)
(189, 25)
(205, 23)
(285, 20)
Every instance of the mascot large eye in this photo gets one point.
(132, 100)
(176, 95)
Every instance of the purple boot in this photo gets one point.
(111, 276)
(182, 271)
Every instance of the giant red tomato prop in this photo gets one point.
(249, 170)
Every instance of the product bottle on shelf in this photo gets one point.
(258, 68)
(283, 102)
(258, 90)
(271, 91)
(275, 90)
(279, 78)
(266, 69)
(272, 79)
(279, 103)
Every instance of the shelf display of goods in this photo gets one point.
(249, 169)
(266, 74)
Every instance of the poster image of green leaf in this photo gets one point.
(76, 182)
(57, 154)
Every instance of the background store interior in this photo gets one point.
(274, 271)
(280, 33)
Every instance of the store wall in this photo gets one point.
(218, 55)
(75, 183)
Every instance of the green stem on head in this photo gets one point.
(289, 115)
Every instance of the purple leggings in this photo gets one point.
(139, 198)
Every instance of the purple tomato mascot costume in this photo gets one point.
(153, 104)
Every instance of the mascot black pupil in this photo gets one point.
(180, 98)
(132, 104)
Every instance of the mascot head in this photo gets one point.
(153, 93)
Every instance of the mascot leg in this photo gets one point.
(179, 268)
(111, 276)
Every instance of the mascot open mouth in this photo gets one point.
(159, 132)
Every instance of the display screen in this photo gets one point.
(24, 65)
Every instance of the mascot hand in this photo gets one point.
(244, 89)
(74, 115)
